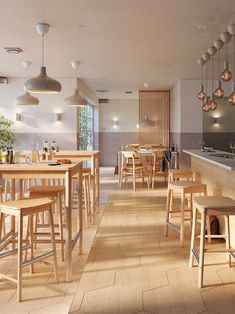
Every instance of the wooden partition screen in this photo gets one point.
(156, 105)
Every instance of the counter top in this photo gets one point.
(212, 157)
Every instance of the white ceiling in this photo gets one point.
(124, 44)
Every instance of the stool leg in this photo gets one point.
(20, 258)
(89, 195)
(202, 250)
(227, 227)
(53, 244)
(168, 207)
(182, 219)
(31, 242)
(85, 200)
(134, 180)
(59, 200)
(193, 236)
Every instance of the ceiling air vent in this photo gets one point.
(102, 90)
(14, 50)
(103, 101)
(3, 80)
(128, 92)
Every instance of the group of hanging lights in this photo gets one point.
(209, 103)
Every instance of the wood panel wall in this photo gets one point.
(156, 105)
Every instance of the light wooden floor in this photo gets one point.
(133, 268)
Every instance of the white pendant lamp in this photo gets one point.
(26, 100)
(146, 122)
(75, 100)
(42, 84)
(231, 29)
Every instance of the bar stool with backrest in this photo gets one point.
(131, 168)
(183, 188)
(20, 209)
(210, 205)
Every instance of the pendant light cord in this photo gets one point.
(212, 85)
(201, 75)
(206, 79)
(219, 65)
(43, 50)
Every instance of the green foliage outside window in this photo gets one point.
(7, 135)
(85, 128)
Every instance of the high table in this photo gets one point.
(217, 170)
(94, 158)
(43, 170)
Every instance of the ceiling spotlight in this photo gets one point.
(13, 50)
(75, 64)
(26, 64)
(146, 85)
(202, 27)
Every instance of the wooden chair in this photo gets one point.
(210, 205)
(19, 209)
(132, 168)
(184, 188)
(157, 166)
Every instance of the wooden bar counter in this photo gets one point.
(217, 170)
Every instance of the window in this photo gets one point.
(85, 127)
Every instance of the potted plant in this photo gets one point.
(7, 135)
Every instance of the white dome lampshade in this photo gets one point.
(75, 100)
(27, 100)
(146, 122)
(42, 84)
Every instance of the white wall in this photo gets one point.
(125, 111)
(38, 122)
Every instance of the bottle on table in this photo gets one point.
(35, 154)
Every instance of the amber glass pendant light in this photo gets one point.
(226, 74)
(206, 106)
(201, 95)
(213, 104)
(219, 92)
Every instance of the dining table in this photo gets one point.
(93, 158)
(48, 170)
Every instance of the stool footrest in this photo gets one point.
(14, 251)
(9, 278)
(38, 258)
(220, 251)
(176, 228)
(195, 255)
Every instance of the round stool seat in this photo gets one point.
(25, 204)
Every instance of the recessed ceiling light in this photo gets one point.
(202, 27)
(14, 50)
(82, 26)
(146, 85)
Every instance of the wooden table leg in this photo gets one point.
(97, 179)
(93, 189)
(68, 225)
(13, 222)
(79, 203)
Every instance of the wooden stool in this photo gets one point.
(210, 205)
(182, 187)
(86, 182)
(56, 193)
(177, 174)
(19, 209)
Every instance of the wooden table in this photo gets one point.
(94, 158)
(44, 171)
